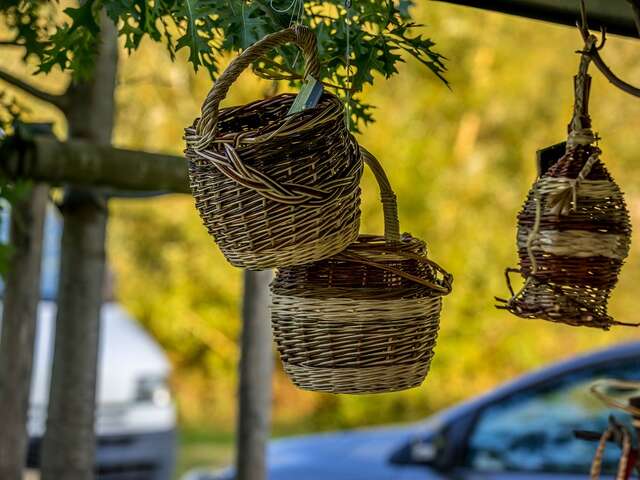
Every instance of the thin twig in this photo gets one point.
(56, 100)
(594, 53)
(606, 71)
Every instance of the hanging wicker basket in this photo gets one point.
(275, 189)
(365, 320)
(573, 233)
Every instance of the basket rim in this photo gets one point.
(328, 109)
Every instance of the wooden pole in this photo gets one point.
(68, 450)
(20, 312)
(256, 368)
(82, 162)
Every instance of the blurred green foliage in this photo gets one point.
(377, 32)
(461, 162)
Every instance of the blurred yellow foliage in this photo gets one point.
(461, 162)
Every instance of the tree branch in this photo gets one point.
(597, 60)
(592, 50)
(56, 100)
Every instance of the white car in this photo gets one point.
(135, 414)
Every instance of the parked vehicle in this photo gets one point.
(135, 414)
(520, 431)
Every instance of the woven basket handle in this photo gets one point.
(300, 35)
(392, 231)
(388, 197)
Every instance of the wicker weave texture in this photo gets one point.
(572, 261)
(365, 320)
(275, 189)
(344, 345)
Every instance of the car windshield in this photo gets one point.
(533, 431)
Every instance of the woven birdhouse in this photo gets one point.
(573, 232)
(275, 188)
(365, 320)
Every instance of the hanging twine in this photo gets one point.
(565, 200)
(347, 110)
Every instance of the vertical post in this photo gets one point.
(68, 449)
(69, 443)
(256, 368)
(20, 312)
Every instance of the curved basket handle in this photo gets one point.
(387, 196)
(596, 387)
(300, 35)
(392, 232)
(623, 465)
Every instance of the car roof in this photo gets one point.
(529, 380)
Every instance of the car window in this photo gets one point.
(533, 431)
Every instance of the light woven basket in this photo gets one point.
(573, 232)
(365, 320)
(275, 189)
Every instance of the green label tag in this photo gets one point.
(308, 97)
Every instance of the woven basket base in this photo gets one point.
(358, 380)
(310, 251)
(563, 304)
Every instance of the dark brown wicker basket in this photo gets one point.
(573, 233)
(365, 320)
(275, 189)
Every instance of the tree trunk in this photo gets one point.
(20, 312)
(69, 442)
(256, 368)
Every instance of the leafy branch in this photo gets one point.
(377, 34)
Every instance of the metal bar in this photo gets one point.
(615, 15)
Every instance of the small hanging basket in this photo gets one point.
(365, 320)
(573, 233)
(275, 189)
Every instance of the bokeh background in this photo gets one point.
(461, 161)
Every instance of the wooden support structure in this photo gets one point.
(68, 446)
(255, 372)
(20, 310)
(615, 15)
(81, 162)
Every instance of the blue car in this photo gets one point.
(520, 431)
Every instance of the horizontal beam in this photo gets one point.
(45, 159)
(615, 15)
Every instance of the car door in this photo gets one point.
(529, 434)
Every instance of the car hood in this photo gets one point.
(362, 454)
